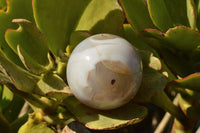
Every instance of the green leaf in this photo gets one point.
(152, 84)
(3, 5)
(75, 38)
(174, 47)
(12, 111)
(183, 38)
(52, 86)
(22, 79)
(139, 43)
(57, 20)
(166, 14)
(4, 125)
(30, 45)
(190, 82)
(190, 107)
(15, 125)
(191, 13)
(197, 3)
(137, 14)
(6, 98)
(178, 12)
(34, 124)
(149, 60)
(106, 120)
(159, 14)
(4, 78)
(46, 85)
(15, 9)
(134, 39)
(102, 16)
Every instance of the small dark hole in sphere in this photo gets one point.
(113, 81)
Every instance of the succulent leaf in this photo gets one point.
(34, 124)
(178, 64)
(6, 17)
(141, 44)
(52, 86)
(22, 79)
(150, 61)
(197, 3)
(106, 120)
(58, 22)
(137, 14)
(3, 4)
(190, 82)
(102, 16)
(133, 38)
(183, 38)
(159, 14)
(12, 111)
(191, 13)
(190, 107)
(176, 46)
(166, 14)
(49, 85)
(15, 125)
(6, 98)
(152, 84)
(31, 46)
(4, 78)
(75, 38)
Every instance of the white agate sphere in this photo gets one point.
(104, 71)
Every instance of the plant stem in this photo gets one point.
(163, 101)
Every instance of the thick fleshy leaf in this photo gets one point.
(48, 85)
(178, 12)
(167, 13)
(34, 124)
(177, 64)
(30, 45)
(197, 3)
(190, 82)
(102, 16)
(189, 107)
(12, 111)
(191, 13)
(3, 5)
(22, 79)
(168, 44)
(183, 38)
(4, 78)
(57, 19)
(75, 38)
(15, 125)
(137, 14)
(6, 98)
(159, 14)
(152, 84)
(53, 86)
(149, 60)
(106, 120)
(134, 39)
(6, 23)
